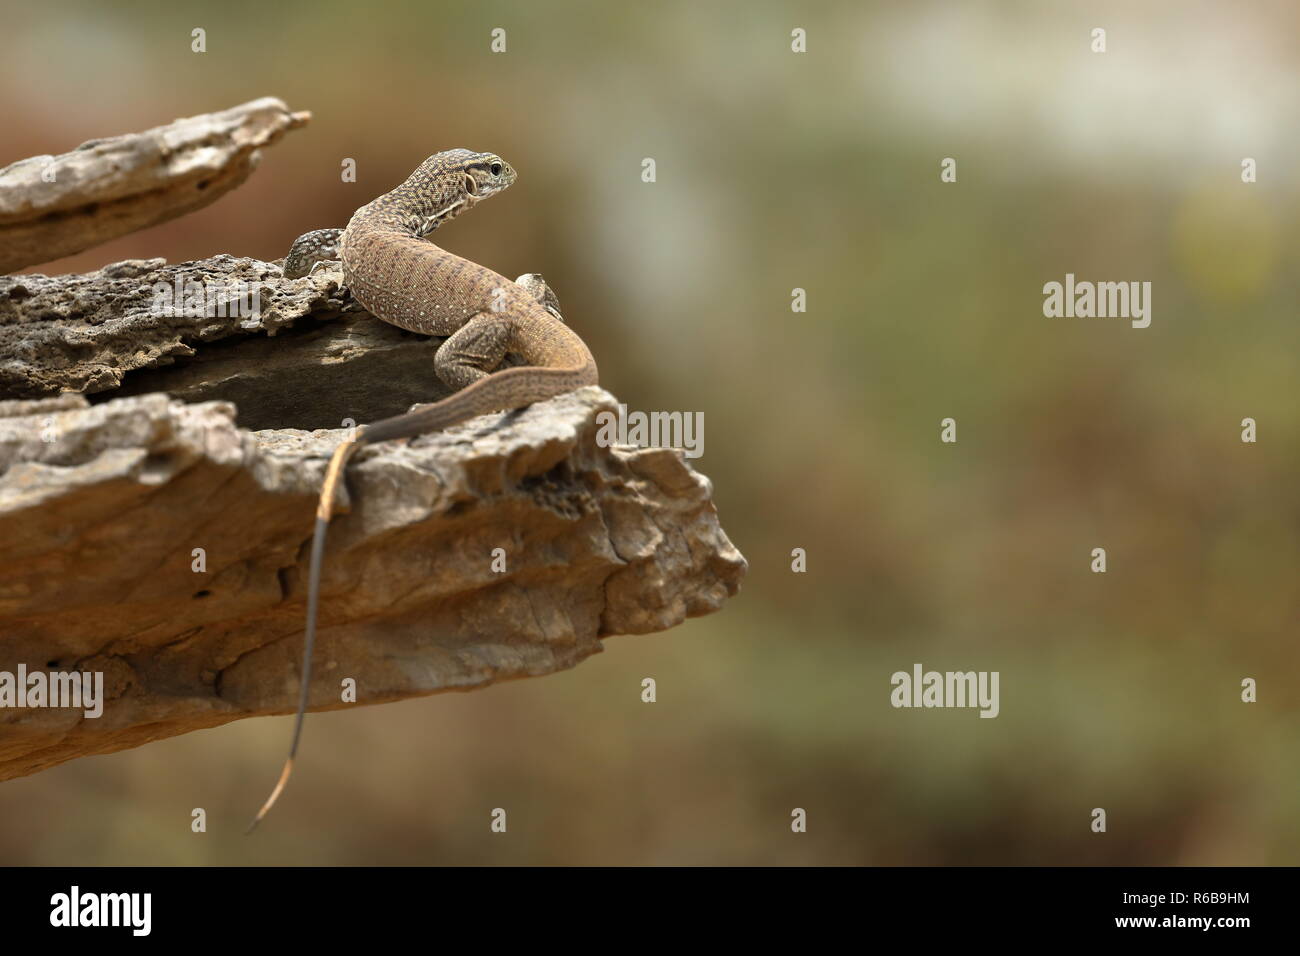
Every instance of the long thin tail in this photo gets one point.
(508, 388)
(323, 510)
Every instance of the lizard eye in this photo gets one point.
(471, 185)
(496, 169)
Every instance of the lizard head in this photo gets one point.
(457, 179)
(485, 174)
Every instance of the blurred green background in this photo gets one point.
(818, 171)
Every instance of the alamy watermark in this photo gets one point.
(683, 430)
(192, 299)
(76, 908)
(78, 690)
(946, 689)
(1102, 300)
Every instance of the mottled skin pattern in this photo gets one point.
(402, 278)
(309, 249)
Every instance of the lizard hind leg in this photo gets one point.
(470, 354)
(473, 351)
(535, 285)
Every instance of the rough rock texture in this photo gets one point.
(110, 187)
(86, 332)
(102, 508)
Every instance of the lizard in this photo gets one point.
(397, 275)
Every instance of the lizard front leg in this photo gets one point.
(310, 250)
